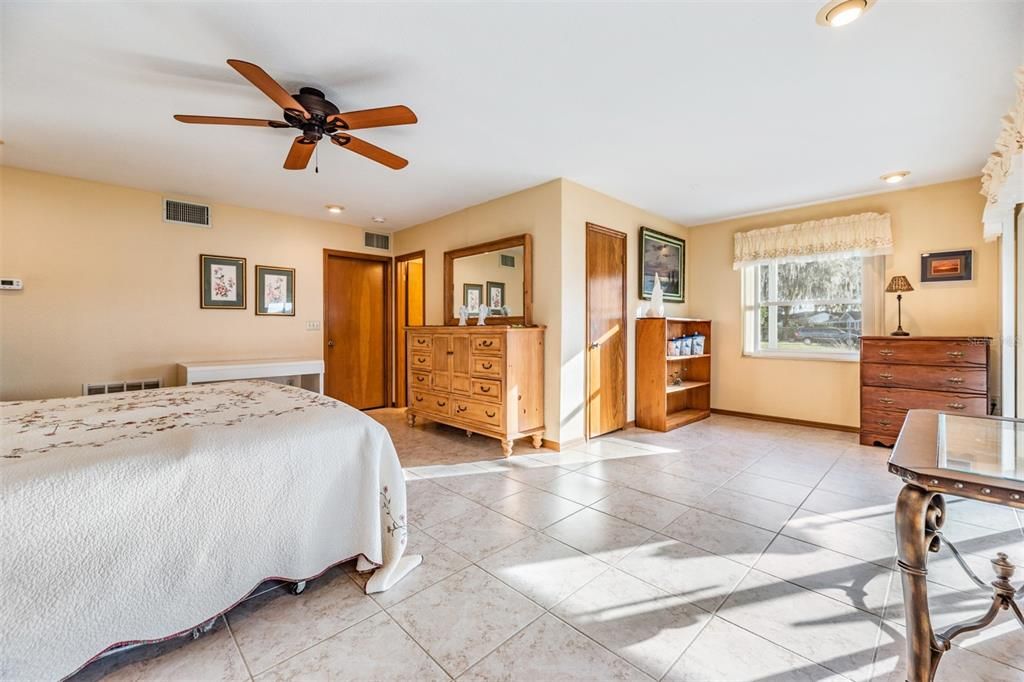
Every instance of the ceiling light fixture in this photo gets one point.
(377, 219)
(333, 208)
(842, 12)
(894, 177)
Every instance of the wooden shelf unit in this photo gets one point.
(660, 405)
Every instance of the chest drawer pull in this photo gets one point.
(487, 365)
(955, 353)
(451, 352)
(955, 380)
(486, 343)
(955, 406)
(421, 360)
(490, 413)
(886, 352)
(885, 375)
(886, 401)
(420, 342)
(883, 422)
(485, 389)
(420, 378)
(419, 399)
(441, 403)
(461, 408)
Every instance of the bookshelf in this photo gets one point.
(661, 403)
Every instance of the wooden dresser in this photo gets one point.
(487, 380)
(947, 373)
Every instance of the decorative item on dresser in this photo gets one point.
(487, 380)
(897, 285)
(947, 373)
(672, 390)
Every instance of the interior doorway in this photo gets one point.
(357, 295)
(410, 311)
(605, 403)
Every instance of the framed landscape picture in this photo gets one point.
(947, 266)
(495, 295)
(665, 255)
(275, 290)
(472, 297)
(221, 282)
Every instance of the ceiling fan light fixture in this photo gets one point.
(334, 208)
(378, 219)
(839, 13)
(895, 177)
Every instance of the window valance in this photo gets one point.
(864, 234)
(1002, 178)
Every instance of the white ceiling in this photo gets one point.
(693, 110)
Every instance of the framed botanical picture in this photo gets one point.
(947, 266)
(275, 290)
(495, 295)
(221, 282)
(665, 255)
(472, 296)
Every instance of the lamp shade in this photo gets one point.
(897, 284)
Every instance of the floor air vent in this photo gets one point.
(120, 386)
(377, 241)
(185, 213)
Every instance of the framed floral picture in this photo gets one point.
(495, 295)
(665, 256)
(221, 282)
(472, 297)
(275, 290)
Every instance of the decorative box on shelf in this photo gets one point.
(673, 379)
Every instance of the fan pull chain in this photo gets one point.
(316, 162)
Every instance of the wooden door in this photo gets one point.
(605, 400)
(356, 297)
(410, 311)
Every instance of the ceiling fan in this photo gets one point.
(312, 114)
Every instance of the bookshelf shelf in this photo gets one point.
(662, 405)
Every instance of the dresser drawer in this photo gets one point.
(421, 361)
(878, 398)
(482, 413)
(957, 353)
(883, 422)
(486, 367)
(434, 403)
(488, 343)
(424, 341)
(487, 389)
(933, 378)
(419, 381)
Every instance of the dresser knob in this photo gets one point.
(955, 406)
(886, 401)
(955, 353)
(487, 365)
(883, 422)
(486, 343)
(885, 375)
(955, 380)
(490, 414)
(886, 352)
(485, 389)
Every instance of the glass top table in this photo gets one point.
(980, 458)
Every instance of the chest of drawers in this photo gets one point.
(487, 380)
(947, 373)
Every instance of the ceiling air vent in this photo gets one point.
(185, 213)
(507, 261)
(377, 241)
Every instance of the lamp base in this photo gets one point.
(900, 332)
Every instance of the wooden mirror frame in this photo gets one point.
(523, 240)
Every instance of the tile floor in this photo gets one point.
(728, 550)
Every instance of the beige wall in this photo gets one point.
(931, 218)
(112, 292)
(534, 211)
(581, 205)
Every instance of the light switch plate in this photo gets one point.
(312, 325)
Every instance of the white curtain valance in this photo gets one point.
(1002, 178)
(864, 234)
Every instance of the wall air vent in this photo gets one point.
(102, 388)
(184, 213)
(507, 261)
(377, 241)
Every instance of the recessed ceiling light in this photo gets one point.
(897, 176)
(334, 208)
(378, 219)
(842, 12)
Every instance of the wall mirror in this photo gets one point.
(497, 275)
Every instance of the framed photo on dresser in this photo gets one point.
(275, 290)
(221, 282)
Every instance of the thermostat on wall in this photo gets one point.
(10, 283)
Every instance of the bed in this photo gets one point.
(138, 516)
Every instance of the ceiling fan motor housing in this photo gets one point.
(319, 109)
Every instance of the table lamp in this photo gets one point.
(897, 285)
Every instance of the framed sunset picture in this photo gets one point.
(275, 290)
(665, 256)
(221, 282)
(947, 266)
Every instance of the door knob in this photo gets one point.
(330, 343)
(595, 345)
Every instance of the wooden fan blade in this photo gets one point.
(374, 118)
(231, 121)
(370, 151)
(299, 154)
(270, 87)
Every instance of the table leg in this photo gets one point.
(919, 515)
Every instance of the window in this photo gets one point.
(807, 308)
